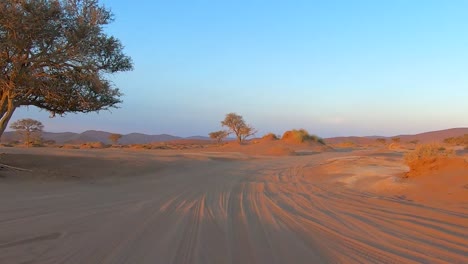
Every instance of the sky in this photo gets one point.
(335, 68)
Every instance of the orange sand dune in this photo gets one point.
(271, 147)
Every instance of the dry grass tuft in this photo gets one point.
(300, 136)
(270, 137)
(69, 146)
(93, 145)
(347, 144)
(457, 141)
(426, 157)
(426, 152)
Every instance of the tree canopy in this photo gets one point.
(114, 138)
(28, 128)
(55, 55)
(219, 135)
(237, 125)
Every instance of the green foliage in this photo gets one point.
(55, 55)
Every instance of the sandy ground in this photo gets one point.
(124, 206)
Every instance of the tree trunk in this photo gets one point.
(7, 108)
(28, 138)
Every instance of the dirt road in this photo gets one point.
(218, 208)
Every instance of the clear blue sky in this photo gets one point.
(331, 67)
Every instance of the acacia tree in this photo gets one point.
(28, 128)
(237, 125)
(115, 138)
(54, 55)
(219, 135)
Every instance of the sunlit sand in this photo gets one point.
(227, 205)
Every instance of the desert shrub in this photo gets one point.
(300, 136)
(429, 158)
(146, 146)
(458, 141)
(347, 144)
(93, 145)
(69, 146)
(164, 146)
(14, 142)
(321, 140)
(394, 146)
(426, 153)
(381, 140)
(270, 136)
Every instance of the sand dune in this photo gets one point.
(122, 206)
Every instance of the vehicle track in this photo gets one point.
(226, 211)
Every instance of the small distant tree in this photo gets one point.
(114, 138)
(28, 128)
(396, 140)
(219, 136)
(414, 141)
(237, 125)
(381, 140)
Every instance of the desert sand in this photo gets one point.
(225, 205)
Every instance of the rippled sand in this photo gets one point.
(116, 206)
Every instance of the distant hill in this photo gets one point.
(356, 140)
(435, 136)
(427, 137)
(199, 138)
(138, 138)
(94, 136)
